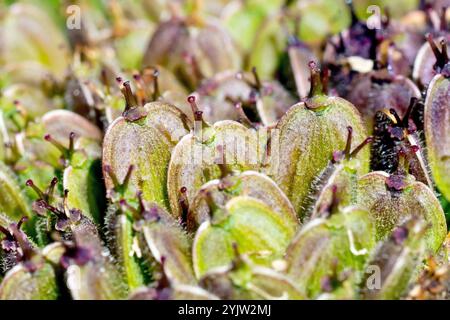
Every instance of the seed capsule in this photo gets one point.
(248, 183)
(145, 143)
(191, 48)
(391, 199)
(251, 225)
(338, 181)
(90, 271)
(168, 241)
(306, 137)
(33, 278)
(84, 179)
(244, 280)
(124, 245)
(12, 201)
(437, 130)
(395, 262)
(341, 242)
(200, 156)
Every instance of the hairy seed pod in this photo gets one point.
(192, 49)
(60, 123)
(12, 201)
(84, 179)
(20, 284)
(341, 242)
(200, 157)
(33, 277)
(395, 262)
(338, 181)
(262, 101)
(251, 225)
(391, 199)
(124, 245)
(379, 89)
(437, 131)
(248, 183)
(306, 137)
(90, 271)
(146, 143)
(167, 240)
(244, 280)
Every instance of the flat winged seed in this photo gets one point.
(304, 142)
(196, 158)
(12, 201)
(250, 224)
(167, 240)
(60, 123)
(21, 284)
(249, 183)
(147, 144)
(340, 242)
(437, 131)
(392, 199)
(395, 263)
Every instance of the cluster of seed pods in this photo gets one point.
(157, 152)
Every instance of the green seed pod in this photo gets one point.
(123, 244)
(90, 271)
(32, 46)
(251, 224)
(33, 278)
(199, 157)
(169, 242)
(326, 246)
(143, 137)
(248, 183)
(306, 137)
(244, 280)
(192, 48)
(339, 179)
(263, 101)
(395, 262)
(32, 99)
(12, 202)
(83, 177)
(167, 289)
(437, 129)
(21, 284)
(61, 123)
(391, 199)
